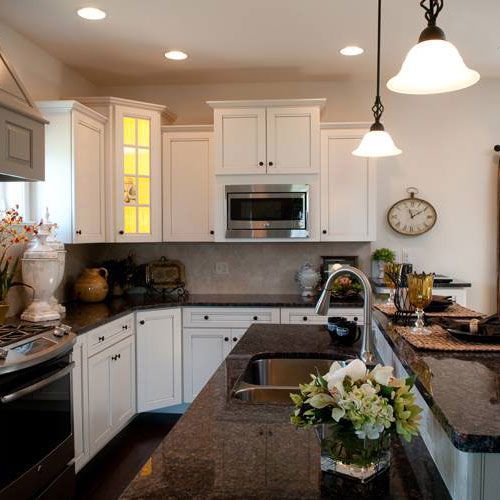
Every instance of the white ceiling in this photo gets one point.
(246, 40)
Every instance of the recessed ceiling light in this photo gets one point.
(176, 55)
(91, 13)
(351, 50)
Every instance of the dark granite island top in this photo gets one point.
(224, 448)
(461, 388)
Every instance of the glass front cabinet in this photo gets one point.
(134, 204)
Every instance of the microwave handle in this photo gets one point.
(8, 398)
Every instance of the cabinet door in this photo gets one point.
(204, 351)
(80, 397)
(240, 140)
(89, 210)
(122, 359)
(188, 186)
(100, 416)
(347, 189)
(293, 140)
(159, 359)
(138, 175)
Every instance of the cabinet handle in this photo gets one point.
(141, 322)
(118, 356)
(205, 317)
(100, 339)
(235, 339)
(121, 231)
(355, 318)
(255, 318)
(78, 231)
(113, 358)
(324, 231)
(270, 163)
(212, 232)
(124, 327)
(261, 163)
(305, 318)
(226, 339)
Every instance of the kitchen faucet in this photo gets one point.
(323, 304)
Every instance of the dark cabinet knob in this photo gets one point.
(205, 317)
(125, 327)
(101, 339)
(141, 322)
(121, 231)
(355, 318)
(255, 318)
(270, 163)
(305, 318)
(226, 339)
(324, 231)
(212, 232)
(78, 231)
(235, 339)
(113, 358)
(261, 163)
(118, 356)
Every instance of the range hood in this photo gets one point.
(22, 130)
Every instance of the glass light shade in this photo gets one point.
(433, 67)
(376, 144)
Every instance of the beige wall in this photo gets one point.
(447, 143)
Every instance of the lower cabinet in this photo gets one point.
(159, 359)
(111, 387)
(306, 315)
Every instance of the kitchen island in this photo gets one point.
(226, 448)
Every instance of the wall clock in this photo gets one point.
(412, 216)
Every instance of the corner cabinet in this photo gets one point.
(159, 359)
(133, 167)
(74, 187)
(348, 187)
(267, 137)
(188, 183)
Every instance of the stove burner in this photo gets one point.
(13, 333)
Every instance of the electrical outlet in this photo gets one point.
(405, 256)
(221, 268)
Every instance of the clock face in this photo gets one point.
(412, 216)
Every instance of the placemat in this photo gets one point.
(440, 340)
(454, 311)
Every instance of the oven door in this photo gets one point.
(267, 211)
(36, 423)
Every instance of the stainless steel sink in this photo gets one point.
(272, 379)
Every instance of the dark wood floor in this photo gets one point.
(112, 469)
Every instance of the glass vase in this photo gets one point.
(344, 453)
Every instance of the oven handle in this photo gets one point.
(8, 398)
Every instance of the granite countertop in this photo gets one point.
(379, 283)
(225, 448)
(461, 388)
(84, 317)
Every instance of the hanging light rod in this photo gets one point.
(433, 65)
(377, 143)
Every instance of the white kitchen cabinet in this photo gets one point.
(79, 383)
(133, 167)
(307, 316)
(228, 317)
(159, 358)
(111, 391)
(267, 137)
(188, 184)
(204, 349)
(74, 187)
(348, 188)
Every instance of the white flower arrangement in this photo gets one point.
(369, 402)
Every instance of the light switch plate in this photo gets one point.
(221, 268)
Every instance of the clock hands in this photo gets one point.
(418, 213)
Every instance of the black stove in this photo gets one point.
(9, 334)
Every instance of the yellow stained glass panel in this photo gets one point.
(143, 161)
(129, 160)
(130, 219)
(143, 132)
(129, 190)
(129, 131)
(143, 191)
(144, 220)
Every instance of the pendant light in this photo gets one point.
(377, 143)
(433, 65)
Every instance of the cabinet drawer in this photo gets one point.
(228, 317)
(306, 315)
(108, 334)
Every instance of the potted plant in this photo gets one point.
(379, 259)
(355, 411)
(12, 232)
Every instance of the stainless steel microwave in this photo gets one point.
(267, 211)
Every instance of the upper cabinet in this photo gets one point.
(21, 129)
(74, 187)
(267, 137)
(188, 202)
(348, 187)
(133, 167)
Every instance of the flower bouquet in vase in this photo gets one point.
(355, 411)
